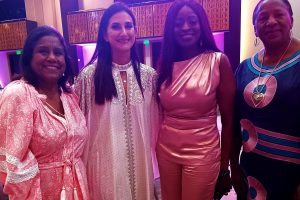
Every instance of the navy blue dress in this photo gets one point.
(270, 124)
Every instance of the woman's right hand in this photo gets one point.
(239, 181)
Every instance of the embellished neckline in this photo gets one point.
(122, 67)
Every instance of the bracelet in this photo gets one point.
(224, 173)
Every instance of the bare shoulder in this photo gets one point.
(226, 73)
(224, 63)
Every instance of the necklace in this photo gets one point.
(258, 94)
(122, 67)
(53, 109)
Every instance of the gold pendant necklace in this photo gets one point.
(258, 95)
(54, 110)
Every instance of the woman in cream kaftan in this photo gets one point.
(118, 153)
(39, 151)
(117, 97)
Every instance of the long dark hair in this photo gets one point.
(170, 47)
(255, 12)
(25, 62)
(105, 88)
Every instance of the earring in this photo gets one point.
(256, 41)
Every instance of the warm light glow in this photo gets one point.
(247, 30)
(219, 39)
(88, 51)
(92, 4)
(4, 69)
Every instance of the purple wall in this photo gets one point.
(4, 69)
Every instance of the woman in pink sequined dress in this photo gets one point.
(42, 130)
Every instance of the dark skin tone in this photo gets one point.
(53, 98)
(272, 26)
(48, 63)
(237, 175)
(271, 60)
(187, 23)
(187, 32)
(225, 99)
(239, 181)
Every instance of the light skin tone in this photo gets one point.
(121, 35)
(48, 64)
(187, 22)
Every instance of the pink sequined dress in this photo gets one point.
(40, 153)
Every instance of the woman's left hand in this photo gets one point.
(223, 185)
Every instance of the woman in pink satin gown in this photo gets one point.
(194, 80)
(42, 130)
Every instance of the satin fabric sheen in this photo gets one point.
(188, 134)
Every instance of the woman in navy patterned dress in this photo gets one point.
(268, 110)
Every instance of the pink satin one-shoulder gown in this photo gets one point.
(188, 147)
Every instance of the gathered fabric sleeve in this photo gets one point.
(79, 87)
(18, 167)
(84, 90)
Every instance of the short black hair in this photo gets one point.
(25, 62)
(255, 12)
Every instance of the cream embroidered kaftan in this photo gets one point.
(118, 154)
(39, 151)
